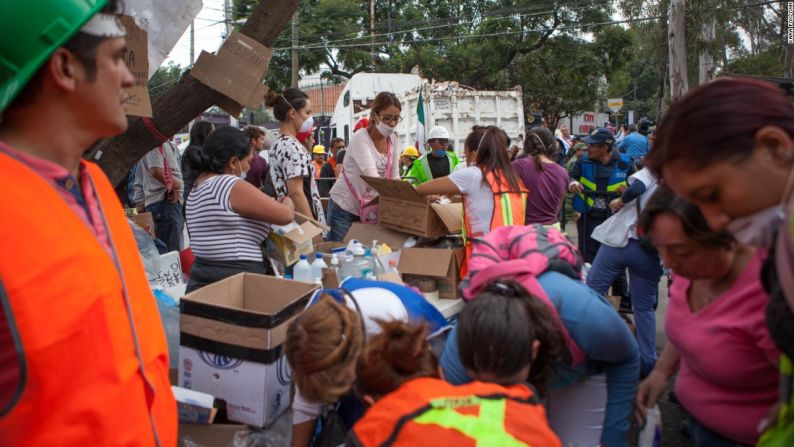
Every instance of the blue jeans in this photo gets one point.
(340, 221)
(168, 223)
(644, 273)
(704, 437)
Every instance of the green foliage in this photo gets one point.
(165, 77)
(765, 63)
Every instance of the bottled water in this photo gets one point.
(335, 266)
(317, 268)
(303, 270)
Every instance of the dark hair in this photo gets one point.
(496, 330)
(286, 101)
(399, 353)
(199, 132)
(384, 100)
(717, 122)
(695, 226)
(221, 145)
(337, 140)
(253, 132)
(492, 155)
(83, 46)
(540, 141)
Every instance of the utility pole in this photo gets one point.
(677, 44)
(192, 42)
(372, 29)
(227, 14)
(295, 64)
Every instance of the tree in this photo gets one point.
(561, 79)
(164, 78)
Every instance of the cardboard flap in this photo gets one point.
(397, 189)
(366, 233)
(137, 58)
(237, 69)
(426, 261)
(305, 233)
(452, 216)
(301, 218)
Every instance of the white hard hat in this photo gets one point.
(438, 133)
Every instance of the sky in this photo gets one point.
(209, 27)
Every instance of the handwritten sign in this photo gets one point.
(236, 71)
(170, 272)
(137, 59)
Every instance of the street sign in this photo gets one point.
(614, 104)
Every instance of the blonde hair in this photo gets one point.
(322, 345)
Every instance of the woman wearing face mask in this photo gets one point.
(291, 167)
(373, 152)
(227, 217)
(717, 341)
(728, 147)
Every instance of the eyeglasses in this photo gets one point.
(391, 118)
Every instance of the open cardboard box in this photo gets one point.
(231, 337)
(403, 209)
(440, 264)
(366, 233)
(288, 248)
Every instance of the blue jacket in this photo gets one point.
(635, 145)
(603, 336)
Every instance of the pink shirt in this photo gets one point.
(728, 377)
(362, 158)
(54, 174)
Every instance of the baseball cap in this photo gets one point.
(534, 120)
(600, 136)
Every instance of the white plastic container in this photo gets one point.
(317, 268)
(303, 271)
(651, 433)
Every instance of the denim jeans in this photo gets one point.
(704, 437)
(168, 223)
(645, 272)
(340, 221)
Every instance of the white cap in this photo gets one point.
(438, 133)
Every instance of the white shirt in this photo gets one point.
(477, 197)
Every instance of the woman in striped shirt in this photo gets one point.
(228, 218)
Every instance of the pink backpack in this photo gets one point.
(523, 253)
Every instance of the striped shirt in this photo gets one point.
(217, 232)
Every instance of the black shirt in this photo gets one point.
(439, 167)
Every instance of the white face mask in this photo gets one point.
(307, 125)
(242, 173)
(384, 129)
(760, 229)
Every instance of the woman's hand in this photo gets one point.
(286, 201)
(616, 204)
(648, 393)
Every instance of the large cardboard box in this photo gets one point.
(404, 210)
(287, 248)
(366, 233)
(231, 340)
(214, 435)
(440, 264)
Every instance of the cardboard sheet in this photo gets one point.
(137, 59)
(237, 69)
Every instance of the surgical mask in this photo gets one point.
(307, 125)
(242, 173)
(384, 129)
(760, 228)
(440, 153)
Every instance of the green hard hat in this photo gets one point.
(32, 31)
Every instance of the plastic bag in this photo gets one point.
(169, 315)
(147, 249)
(651, 433)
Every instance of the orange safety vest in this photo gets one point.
(94, 359)
(509, 208)
(432, 412)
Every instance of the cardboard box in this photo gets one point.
(288, 248)
(231, 340)
(366, 233)
(137, 59)
(404, 210)
(215, 435)
(145, 221)
(441, 264)
(236, 71)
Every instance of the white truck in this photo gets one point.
(447, 104)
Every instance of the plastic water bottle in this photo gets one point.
(366, 265)
(317, 268)
(358, 262)
(651, 433)
(303, 270)
(335, 266)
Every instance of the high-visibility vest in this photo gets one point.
(432, 412)
(509, 208)
(90, 347)
(583, 203)
(421, 168)
(781, 433)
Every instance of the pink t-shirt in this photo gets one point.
(54, 174)
(728, 378)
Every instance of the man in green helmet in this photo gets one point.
(83, 353)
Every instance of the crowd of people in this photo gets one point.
(538, 355)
